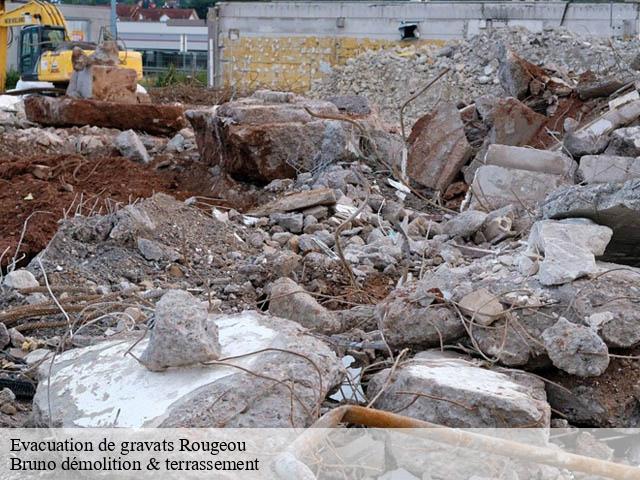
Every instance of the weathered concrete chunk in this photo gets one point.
(482, 306)
(624, 142)
(494, 187)
(155, 251)
(20, 278)
(289, 221)
(5, 338)
(452, 391)
(68, 112)
(594, 137)
(612, 204)
(130, 146)
(181, 334)
(411, 315)
(569, 248)
(543, 161)
(297, 201)
(263, 139)
(289, 300)
(513, 123)
(515, 73)
(576, 349)
(608, 168)
(465, 224)
(585, 142)
(438, 148)
(100, 386)
(106, 83)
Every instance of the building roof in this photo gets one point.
(138, 14)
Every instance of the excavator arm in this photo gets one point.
(35, 12)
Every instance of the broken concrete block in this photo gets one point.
(289, 300)
(100, 386)
(482, 306)
(520, 158)
(5, 338)
(494, 187)
(499, 223)
(68, 112)
(262, 139)
(576, 349)
(608, 168)
(106, 83)
(297, 201)
(583, 143)
(450, 390)
(612, 204)
(515, 73)
(594, 137)
(130, 146)
(569, 248)
(512, 122)
(292, 222)
(155, 251)
(438, 148)
(624, 142)
(411, 315)
(181, 334)
(465, 224)
(20, 278)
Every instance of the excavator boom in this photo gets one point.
(35, 12)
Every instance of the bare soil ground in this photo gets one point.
(77, 185)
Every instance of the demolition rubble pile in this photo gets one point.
(516, 308)
(388, 77)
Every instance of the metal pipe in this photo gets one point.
(288, 465)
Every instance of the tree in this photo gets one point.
(200, 6)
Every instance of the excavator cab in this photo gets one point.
(34, 41)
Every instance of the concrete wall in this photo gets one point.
(285, 45)
(81, 18)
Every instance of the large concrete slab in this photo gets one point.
(69, 112)
(101, 386)
(608, 168)
(616, 205)
(494, 187)
(438, 148)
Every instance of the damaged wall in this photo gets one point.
(286, 45)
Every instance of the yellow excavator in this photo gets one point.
(45, 47)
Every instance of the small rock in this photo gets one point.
(7, 396)
(19, 279)
(292, 222)
(155, 251)
(181, 335)
(8, 409)
(482, 306)
(289, 300)
(465, 224)
(5, 337)
(576, 349)
(17, 339)
(130, 146)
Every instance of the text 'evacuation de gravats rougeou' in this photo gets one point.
(70, 455)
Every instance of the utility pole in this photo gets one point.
(114, 19)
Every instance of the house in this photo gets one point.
(136, 13)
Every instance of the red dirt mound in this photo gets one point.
(70, 185)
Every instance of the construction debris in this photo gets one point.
(216, 395)
(68, 112)
(287, 259)
(449, 390)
